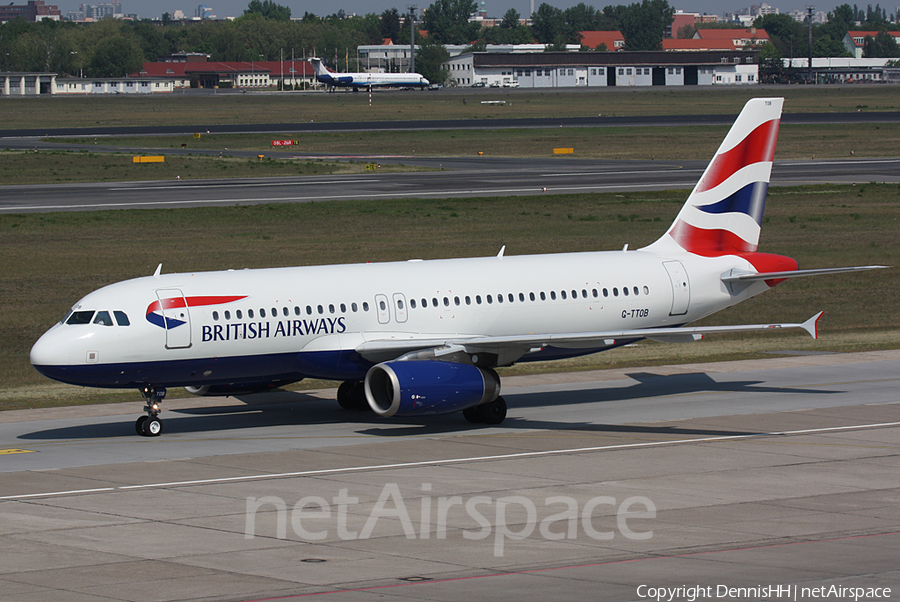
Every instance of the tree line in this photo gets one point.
(266, 31)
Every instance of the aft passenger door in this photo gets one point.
(176, 318)
(681, 287)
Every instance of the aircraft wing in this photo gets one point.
(384, 349)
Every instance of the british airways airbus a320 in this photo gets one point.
(424, 337)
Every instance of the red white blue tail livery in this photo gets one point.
(724, 211)
(424, 337)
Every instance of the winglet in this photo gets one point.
(812, 325)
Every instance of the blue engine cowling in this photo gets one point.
(422, 388)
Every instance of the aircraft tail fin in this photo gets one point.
(318, 66)
(723, 214)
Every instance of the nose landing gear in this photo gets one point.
(150, 425)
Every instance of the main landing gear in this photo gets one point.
(150, 425)
(493, 412)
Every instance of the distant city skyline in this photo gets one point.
(495, 8)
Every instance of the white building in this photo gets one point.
(605, 69)
(113, 85)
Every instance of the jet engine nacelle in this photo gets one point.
(422, 388)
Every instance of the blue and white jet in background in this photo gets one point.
(419, 337)
(366, 80)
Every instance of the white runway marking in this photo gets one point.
(356, 469)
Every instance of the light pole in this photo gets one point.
(809, 9)
(80, 68)
(412, 37)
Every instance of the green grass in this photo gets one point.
(53, 259)
(210, 110)
(61, 167)
(675, 143)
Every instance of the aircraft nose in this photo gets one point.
(48, 352)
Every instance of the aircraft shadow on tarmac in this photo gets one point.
(286, 408)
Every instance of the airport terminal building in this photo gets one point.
(602, 69)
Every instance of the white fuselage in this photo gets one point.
(290, 323)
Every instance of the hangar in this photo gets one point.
(602, 69)
(26, 84)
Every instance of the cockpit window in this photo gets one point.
(121, 318)
(103, 319)
(80, 317)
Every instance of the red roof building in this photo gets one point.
(233, 74)
(738, 38)
(614, 40)
(855, 41)
(697, 45)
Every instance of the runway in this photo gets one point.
(453, 178)
(450, 124)
(763, 474)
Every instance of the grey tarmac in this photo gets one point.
(616, 485)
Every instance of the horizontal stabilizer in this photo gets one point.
(737, 276)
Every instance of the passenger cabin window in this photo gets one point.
(249, 314)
